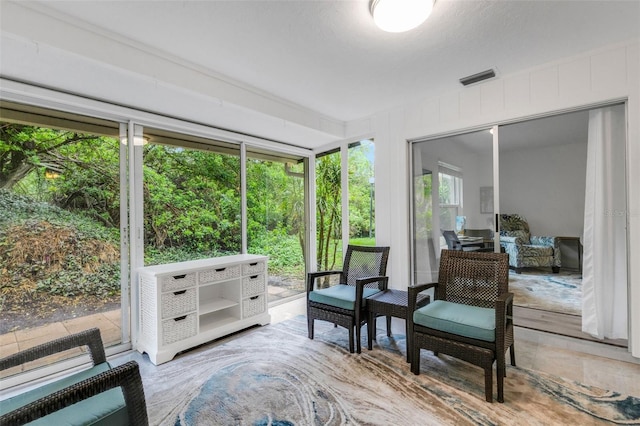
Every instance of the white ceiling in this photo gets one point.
(328, 56)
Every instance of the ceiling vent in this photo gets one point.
(484, 75)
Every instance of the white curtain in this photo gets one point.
(604, 275)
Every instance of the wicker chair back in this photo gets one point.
(362, 262)
(472, 278)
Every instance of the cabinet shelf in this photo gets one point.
(216, 305)
(215, 320)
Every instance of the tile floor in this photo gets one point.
(586, 362)
(108, 323)
(590, 363)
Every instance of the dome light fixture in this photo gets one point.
(396, 16)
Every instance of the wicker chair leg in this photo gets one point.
(371, 330)
(501, 370)
(512, 353)
(415, 358)
(488, 383)
(388, 326)
(409, 341)
(350, 339)
(310, 326)
(358, 337)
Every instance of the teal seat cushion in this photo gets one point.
(107, 408)
(341, 296)
(464, 320)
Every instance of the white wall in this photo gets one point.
(547, 187)
(595, 78)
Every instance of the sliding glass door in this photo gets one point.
(452, 188)
(556, 186)
(545, 165)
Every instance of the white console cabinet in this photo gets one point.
(185, 304)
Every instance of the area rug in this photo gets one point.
(275, 375)
(541, 289)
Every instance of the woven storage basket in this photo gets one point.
(178, 303)
(253, 268)
(180, 328)
(177, 282)
(220, 274)
(253, 285)
(253, 306)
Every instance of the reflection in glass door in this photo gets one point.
(452, 188)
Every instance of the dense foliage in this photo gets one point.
(69, 183)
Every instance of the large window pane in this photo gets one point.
(329, 211)
(362, 193)
(59, 227)
(191, 198)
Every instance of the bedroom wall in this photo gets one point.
(547, 187)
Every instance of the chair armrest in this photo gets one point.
(412, 301)
(504, 308)
(126, 376)
(361, 282)
(506, 298)
(545, 241)
(312, 276)
(504, 318)
(513, 240)
(368, 280)
(412, 297)
(90, 338)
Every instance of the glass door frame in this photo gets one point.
(495, 180)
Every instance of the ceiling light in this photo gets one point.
(396, 16)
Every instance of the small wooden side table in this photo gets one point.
(391, 303)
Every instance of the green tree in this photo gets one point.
(25, 148)
(191, 199)
(329, 209)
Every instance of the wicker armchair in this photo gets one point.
(344, 304)
(471, 317)
(54, 399)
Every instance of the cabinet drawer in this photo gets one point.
(178, 302)
(176, 329)
(253, 268)
(177, 282)
(252, 285)
(220, 274)
(254, 305)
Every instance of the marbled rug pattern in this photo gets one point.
(541, 289)
(275, 375)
